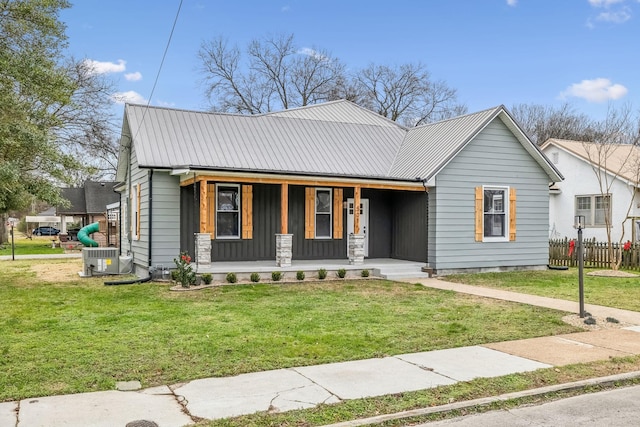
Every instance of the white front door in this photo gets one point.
(364, 222)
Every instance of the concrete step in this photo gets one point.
(404, 275)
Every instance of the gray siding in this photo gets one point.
(166, 219)
(138, 248)
(494, 157)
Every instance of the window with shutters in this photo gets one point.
(495, 214)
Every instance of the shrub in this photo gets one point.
(207, 278)
(174, 275)
(255, 277)
(184, 272)
(232, 278)
(341, 273)
(322, 274)
(365, 273)
(612, 320)
(590, 321)
(276, 276)
(300, 275)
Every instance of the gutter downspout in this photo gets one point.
(150, 217)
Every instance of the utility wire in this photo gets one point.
(155, 82)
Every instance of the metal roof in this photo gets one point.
(332, 139)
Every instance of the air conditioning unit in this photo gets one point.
(99, 261)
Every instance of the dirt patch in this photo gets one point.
(59, 272)
(611, 273)
(601, 323)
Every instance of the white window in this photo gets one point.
(135, 212)
(323, 213)
(227, 211)
(595, 209)
(496, 221)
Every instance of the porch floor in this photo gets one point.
(385, 268)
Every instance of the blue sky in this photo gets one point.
(493, 52)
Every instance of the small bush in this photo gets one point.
(232, 278)
(322, 274)
(300, 275)
(276, 276)
(341, 273)
(174, 275)
(207, 278)
(612, 320)
(589, 321)
(365, 273)
(255, 277)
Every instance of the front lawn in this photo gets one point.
(62, 334)
(619, 292)
(35, 245)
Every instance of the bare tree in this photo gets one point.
(614, 154)
(407, 94)
(87, 127)
(542, 122)
(276, 75)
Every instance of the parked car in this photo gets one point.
(45, 231)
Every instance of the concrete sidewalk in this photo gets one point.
(306, 387)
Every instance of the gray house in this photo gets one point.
(465, 194)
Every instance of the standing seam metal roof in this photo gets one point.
(337, 139)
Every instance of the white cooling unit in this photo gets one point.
(99, 261)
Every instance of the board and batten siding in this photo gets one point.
(493, 158)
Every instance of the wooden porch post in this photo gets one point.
(203, 205)
(284, 208)
(356, 210)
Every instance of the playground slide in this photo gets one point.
(83, 235)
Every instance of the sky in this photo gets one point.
(493, 52)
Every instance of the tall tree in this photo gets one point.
(32, 87)
(407, 94)
(542, 122)
(276, 75)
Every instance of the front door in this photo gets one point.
(364, 222)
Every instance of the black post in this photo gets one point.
(580, 268)
(13, 245)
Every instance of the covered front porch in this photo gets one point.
(386, 268)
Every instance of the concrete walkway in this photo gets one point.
(306, 387)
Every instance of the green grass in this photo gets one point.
(77, 335)
(24, 246)
(619, 292)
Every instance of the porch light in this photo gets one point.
(578, 222)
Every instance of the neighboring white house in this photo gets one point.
(583, 193)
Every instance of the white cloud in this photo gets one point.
(133, 77)
(596, 90)
(285, 9)
(130, 96)
(604, 3)
(618, 17)
(512, 2)
(99, 67)
(312, 52)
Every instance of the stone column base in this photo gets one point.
(284, 249)
(203, 249)
(356, 249)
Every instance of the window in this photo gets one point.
(595, 209)
(495, 215)
(323, 213)
(135, 212)
(227, 211)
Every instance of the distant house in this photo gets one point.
(332, 181)
(615, 195)
(88, 203)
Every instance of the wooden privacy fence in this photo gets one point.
(596, 254)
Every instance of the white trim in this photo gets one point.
(505, 208)
(315, 214)
(238, 211)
